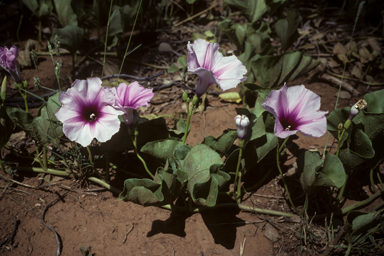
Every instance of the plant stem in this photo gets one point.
(45, 165)
(237, 181)
(134, 140)
(168, 207)
(238, 192)
(339, 144)
(89, 155)
(341, 192)
(190, 113)
(282, 145)
(106, 37)
(49, 171)
(104, 184)
(281, 173)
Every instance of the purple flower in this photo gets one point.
(205, 60)
(130, 97)
(86, 112)
(8, 61)
(296, 109)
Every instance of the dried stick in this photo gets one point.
(344, 85)
(58, 251)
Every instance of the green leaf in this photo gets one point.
(182, 61)
(286, 29)
(374, 102)
(161, 149)
(39, 8)
(21, 119)
(32, 5)
(171, 186)
(65, 13)
(152, 130)
(46, 126)
(198, 163)
(222, 143)
(309, 165)
(270, 142)
(6, 127)
(253, 9)
(172, 68)
(142, 191)
(272, 71)
(332, 173)
(181, 151)
(116, 25)
(128, 13)
(70, 37)
(178, 129)
(99, 8)
(359, 224)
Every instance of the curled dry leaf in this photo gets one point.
(356, 71)
(375, 45)
(365, 55)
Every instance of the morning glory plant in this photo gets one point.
(128, 98)
(295, 109)
(87, 112)
(205, 60)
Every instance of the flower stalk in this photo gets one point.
(134, 141)
(278, 151)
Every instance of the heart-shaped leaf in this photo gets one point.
(142, 191)
(46, 126)
(70, 37)
(198, 163)
(65, 13)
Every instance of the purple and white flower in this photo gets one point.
(242, 123)
(8, 61)
(130, 97)
(205, 60)
(86, 112)
(296, 109)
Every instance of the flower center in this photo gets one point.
(90, 114)
(92, 117)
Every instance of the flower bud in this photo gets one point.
(355, 109)
(195, 100)
(185, 96)
(242, 123)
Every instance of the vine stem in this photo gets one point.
(190, 113)
(281, 173)
(90, 155)
(199, 209)
(134, 140)
(237, 181)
